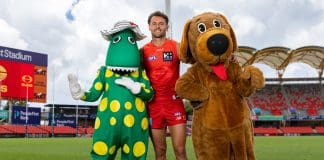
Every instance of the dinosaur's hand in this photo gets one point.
(134, 87)
(75, 87)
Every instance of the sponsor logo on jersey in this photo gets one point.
(167, 56)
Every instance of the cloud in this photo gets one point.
(312, 35)
(299, 70)
(10, 36)
(246, 25)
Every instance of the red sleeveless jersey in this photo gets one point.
(162, 67)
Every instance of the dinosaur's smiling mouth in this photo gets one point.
(122, 69)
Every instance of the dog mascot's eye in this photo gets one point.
(217, 24)
(131, 40)
(116, 39)
(201, 27)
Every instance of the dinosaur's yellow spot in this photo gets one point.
(128, 105)
(100, 148)
(144, 75)
(114, 106)
(139, 149)
(145, 89)
(103, 104)
(126, 148)
(98, 86)
(144, 123)
(112, 150)
(129, 120)
(106, 87)
(113, 121)
(97, 123)
(134, 74)
(140, 106)
(109, 73)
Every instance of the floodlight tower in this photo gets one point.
(168, 12)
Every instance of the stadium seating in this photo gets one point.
(64, 130)
(35, 130)
(82, 130)
(5, 131)
(319, 130)
(278, 99)
(59, 129)
(266, 131)
(46, 128)
(89, 130)
(16, 129)
(297, 130)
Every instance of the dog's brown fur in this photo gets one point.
(222, 127)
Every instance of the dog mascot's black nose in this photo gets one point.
(217, 44)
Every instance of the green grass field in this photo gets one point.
(267, 148)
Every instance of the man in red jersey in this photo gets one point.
(166, 109)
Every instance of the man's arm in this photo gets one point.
(178, 49)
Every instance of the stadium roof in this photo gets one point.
(279, 58)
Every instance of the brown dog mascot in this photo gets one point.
(217, 86)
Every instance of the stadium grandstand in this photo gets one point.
(285, 106)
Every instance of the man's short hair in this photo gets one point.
(158, 14)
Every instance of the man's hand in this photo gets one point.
(75, 87)
(134, 87)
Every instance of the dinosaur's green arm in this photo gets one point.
(147, 92)
(97, 88)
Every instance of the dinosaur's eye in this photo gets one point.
(116, 39)
(217, 23)
(201, 27)
(131, 40)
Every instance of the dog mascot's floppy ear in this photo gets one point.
(185, 51)
(235, 47)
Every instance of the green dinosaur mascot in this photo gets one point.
(121, 121)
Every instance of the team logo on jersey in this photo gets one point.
(152, 58)
(167, 56)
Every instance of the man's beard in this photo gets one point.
(161, 35)
(158, 36)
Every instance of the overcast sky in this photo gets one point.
(68, 30)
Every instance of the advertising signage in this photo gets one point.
(22, 56)
(4, 114)
(16, 80)
(19, 115)
(63, 122)
(21, 70)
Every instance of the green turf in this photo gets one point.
(267, 148)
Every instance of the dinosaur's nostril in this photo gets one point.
(217, 44)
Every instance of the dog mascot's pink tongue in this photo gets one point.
(220, 71)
